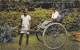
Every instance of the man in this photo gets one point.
(25, 26)
(57, 16)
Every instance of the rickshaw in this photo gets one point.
(53, 35)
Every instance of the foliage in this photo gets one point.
(39, 15)
(12, 18)
(5, 33)
(72, 21)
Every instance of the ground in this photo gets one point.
(36, 45)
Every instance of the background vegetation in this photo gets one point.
(71, 21)
(10, 13)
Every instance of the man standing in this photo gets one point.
(25, 26)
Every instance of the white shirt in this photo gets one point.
(55, 15)
(25, 21)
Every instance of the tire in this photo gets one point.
(54, 36)
(39, 35)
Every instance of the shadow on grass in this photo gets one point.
(36, 45)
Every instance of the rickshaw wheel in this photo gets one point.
(39, 35)
(54, 36)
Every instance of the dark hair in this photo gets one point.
(24, 11)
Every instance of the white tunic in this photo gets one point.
(25, 23)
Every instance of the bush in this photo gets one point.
(12, 18)
(72, 21)
(39, 15)
(5, 33)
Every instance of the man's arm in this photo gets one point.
(19, 27)
(30, 22)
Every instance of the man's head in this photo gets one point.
(59, 10)
(55, 9)
(25, 12)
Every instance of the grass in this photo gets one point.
(36, 45)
